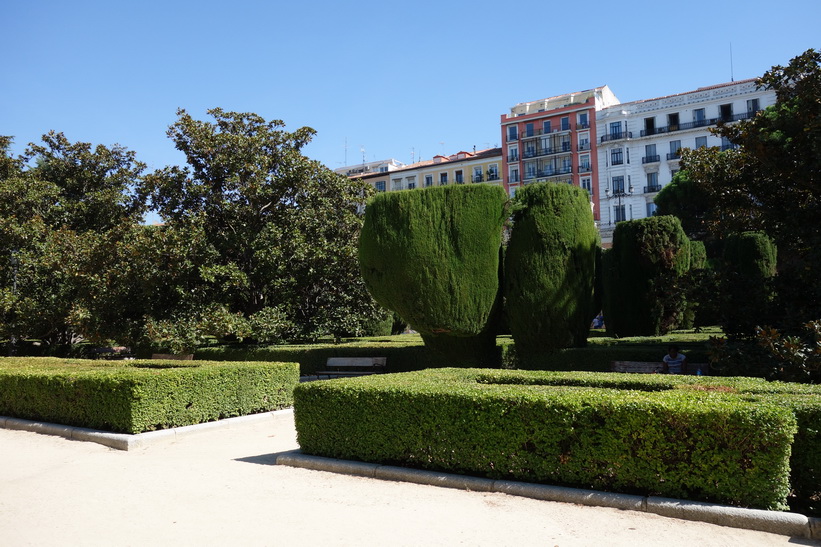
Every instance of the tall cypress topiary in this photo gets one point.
(749, 262)
(550, 268)
(643, 271)
(432, 256)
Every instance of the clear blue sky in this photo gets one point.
(428, 77)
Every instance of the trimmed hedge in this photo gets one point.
(432, 256)
(550, 268)
(138, 396)
(642, 271)
(749, 262)
(724, 440)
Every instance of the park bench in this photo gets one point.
(654, 367)
(338, 367)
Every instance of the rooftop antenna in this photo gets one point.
(362, 149)
(346, 151)
(732, 76)
(413, 154)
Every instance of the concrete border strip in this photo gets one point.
(125, 441)
(775, 522)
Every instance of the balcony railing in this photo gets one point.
(585, 168)
(583, 146)
(650, 159)
(651, 189)
(492, 176)
(617, 136)
(696, 124)
(674, 156)
(477, 178)
(513, 157)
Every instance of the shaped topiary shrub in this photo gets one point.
(749, 263)
(432, 256)
(642, 277)
(550, 268)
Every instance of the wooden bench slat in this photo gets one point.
(650, 367)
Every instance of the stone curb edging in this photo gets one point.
(776, 522)
(125, 441)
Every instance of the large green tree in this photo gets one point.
(284, 228)
(56, 200)
(772, 182)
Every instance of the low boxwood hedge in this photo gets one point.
(724, 440)
(141, 395)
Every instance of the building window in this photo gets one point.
(565, 143)
(397, 184)
(380, 186)
(411, 182)
(616, 156)
(477, 173)
(725, 112)
(513, 152)
(512, 133)
(514, 174)
(530, 149)
(529, 130)
(701, 142)
(565, 123)
(428, 180)
(753, 106)
(675, 150)
(587, 184)
(618, 213)
(649, 126)
(546, 126)
(651, 209)
(615, 130)
(652, 183)
(530, 170)
(672, 121)
(584, 141)
(443, 179)
(699, 117)
(583, 120)
(584, 163)
(460, 179)
(618, 185)
(650, 155)
(493, 172)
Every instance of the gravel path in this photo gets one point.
(221, 487)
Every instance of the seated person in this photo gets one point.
(675, 362)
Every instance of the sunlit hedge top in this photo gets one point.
(432, 255)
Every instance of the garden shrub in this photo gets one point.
(748, 265)
(550, 268)
(141, 395)
(643, 274)
(683, 437)
(432, 256)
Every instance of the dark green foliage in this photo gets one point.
(432, 256)
(685, 200)
(772, 182)
(137, 396)
(550, 268)
(643, 272)
(680, 437)
(698, 255)
(748, 266)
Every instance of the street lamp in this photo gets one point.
(618, 194)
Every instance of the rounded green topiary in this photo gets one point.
(749, 262)
(643, 270)
(550, 268)
(432, 256)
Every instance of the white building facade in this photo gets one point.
(639, 144)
